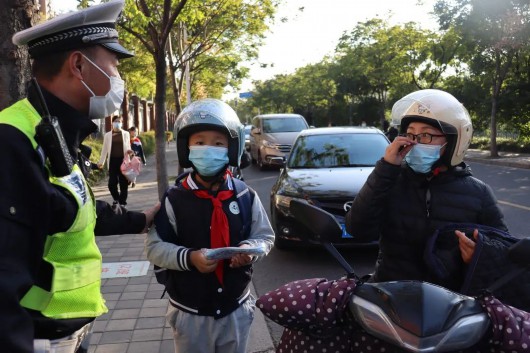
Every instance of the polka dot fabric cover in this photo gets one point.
(511, 326)
(310, 304)
(315, 316)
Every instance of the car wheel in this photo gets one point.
(261, 165)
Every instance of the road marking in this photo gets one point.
(514, 205)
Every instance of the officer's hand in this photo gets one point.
(150, 216)
(240, 259)
(201, 263)
(466, 245)
(100, 165)
(397, 150)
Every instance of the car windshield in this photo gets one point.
(337, 150)
(272, 125)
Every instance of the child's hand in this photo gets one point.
(201, 263)
(241, 259)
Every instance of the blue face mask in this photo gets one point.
(208, 160)
(422, 157)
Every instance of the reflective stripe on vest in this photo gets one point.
(75, 290)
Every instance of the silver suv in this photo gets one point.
(272, 136)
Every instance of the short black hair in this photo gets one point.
(132, 128)
(49, 66)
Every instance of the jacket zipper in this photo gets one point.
(428, 202)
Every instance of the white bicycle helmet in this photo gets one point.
(209, 114)
(439, 109)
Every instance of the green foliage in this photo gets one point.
(148, 142)
(521, 145)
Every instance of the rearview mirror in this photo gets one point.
(323, 225)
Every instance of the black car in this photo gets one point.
(326, 168)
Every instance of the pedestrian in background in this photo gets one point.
(211, 306)
(136, 146)
(116, 145)
(50, 265)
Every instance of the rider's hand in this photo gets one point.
(239, 260)
(466, 245)
(396, 151)
(201, 263)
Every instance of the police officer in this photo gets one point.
(50, 264)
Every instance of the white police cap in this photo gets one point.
(95, 25)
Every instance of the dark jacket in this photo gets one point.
(202, 293)
(30, 209)
(402, 209)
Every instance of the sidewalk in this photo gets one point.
(506, 159)
(136, 322)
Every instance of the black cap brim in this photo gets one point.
(117, 48)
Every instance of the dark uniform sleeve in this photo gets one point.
(28, 208)
(117, 220)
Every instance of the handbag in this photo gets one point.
(131, 167)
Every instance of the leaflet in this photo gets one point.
(228, 252)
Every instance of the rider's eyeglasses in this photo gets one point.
(424, 137)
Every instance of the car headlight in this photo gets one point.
(282, 202)
(268, 144)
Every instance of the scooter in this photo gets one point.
(411, 316)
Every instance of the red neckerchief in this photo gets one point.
(219, 229)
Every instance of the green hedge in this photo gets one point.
(521, 145)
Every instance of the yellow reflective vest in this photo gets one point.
(74, 291)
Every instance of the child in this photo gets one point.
(136, 146)
(211, 306)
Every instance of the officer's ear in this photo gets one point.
(76, 64)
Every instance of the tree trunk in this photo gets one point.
(15, 15)
(493, 127)
(160, 123)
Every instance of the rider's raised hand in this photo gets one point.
(398, 149)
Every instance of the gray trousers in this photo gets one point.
(203, 334)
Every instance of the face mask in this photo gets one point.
(116, 125)
(103, 106)
(422, 157)
(208, 160)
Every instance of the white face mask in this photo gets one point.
(103, 106)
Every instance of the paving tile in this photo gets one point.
(153, 312)
(168, 333)
(116, 337)
(129, 304)
(151, 334)
(121, 324)
(150, 322)
(99, 325)
(136, 288)
(140, 280)
(113, 348)
(154, 303)
(113, 289)
(144, 347)
(112, 296)
(132, 295)
(167, 346)
(116, 281)
(154, 294)
(125, 314)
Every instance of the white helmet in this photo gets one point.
(209, 114)
(441, 110)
